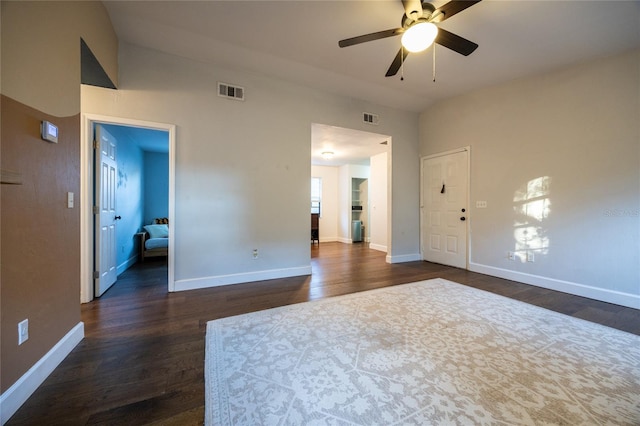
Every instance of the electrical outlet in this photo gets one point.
(23, 331)
(511, 255)
(255, 253)
(530, 257)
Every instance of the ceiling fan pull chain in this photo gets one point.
(401, 63)
(434, 62)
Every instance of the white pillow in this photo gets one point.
(157, 231)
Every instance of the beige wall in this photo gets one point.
(243, 168)
(558, 156)
(40, 236)
(41, 51)
(378, 202)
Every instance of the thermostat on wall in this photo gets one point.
(49, 131)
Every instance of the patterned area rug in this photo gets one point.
(431, 352)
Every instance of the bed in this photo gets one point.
(154, 240)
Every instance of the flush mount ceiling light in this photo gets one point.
(419, 36)
(327, 155)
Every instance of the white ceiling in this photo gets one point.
(348, 146)
(298, 41)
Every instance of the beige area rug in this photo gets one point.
(431, 352)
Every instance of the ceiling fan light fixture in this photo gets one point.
(419, 36)
(327, 155)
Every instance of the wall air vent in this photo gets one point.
(369, 118)
(230, 92)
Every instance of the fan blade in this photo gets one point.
(454, 7)
(370, 37)
(397, 62)
(455, 42)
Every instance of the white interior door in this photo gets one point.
(106, 172)
(444, 209)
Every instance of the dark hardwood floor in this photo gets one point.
(142, 358)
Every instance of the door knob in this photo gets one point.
(463, 218)
(117, 218)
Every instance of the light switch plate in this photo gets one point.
(23, 331)
(69, 200)
(481, 204)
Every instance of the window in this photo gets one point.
(316, 194)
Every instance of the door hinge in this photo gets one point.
(96, 275)
(96, 210)
(95, 144)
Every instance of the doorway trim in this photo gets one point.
(86, 195)
(466, 149)
(344, 195)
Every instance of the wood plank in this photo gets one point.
(142, 361)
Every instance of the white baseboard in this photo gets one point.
(378, 247)
(328, 239)
(21, 390)
(218, 280)
(403, 258)
(344, 240)
(604, 295)
(126, 264)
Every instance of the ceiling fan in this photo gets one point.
(419, 31)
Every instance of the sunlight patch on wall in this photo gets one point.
(532, 207)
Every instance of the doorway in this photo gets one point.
(338, 156)
(445, 208)
(87, 265)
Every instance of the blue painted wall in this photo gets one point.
(156, 185)
(142, 186)
(129, 198)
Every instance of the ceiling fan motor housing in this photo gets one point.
(427, 11)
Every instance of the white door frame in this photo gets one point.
(86, 195)
(468, 212)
